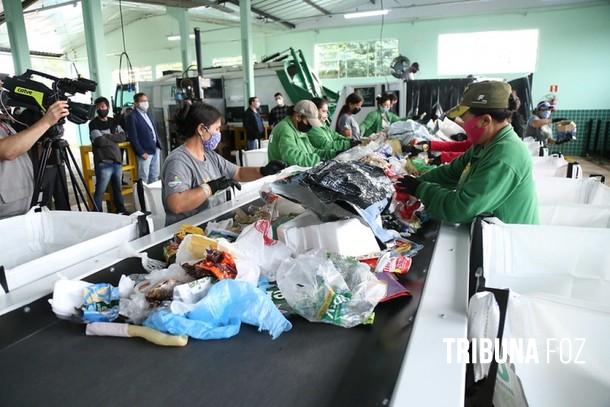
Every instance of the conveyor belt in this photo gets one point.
(46, 361)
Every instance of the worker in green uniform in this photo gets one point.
(289, 142)
(324, 138)
(379, 119)
(493, 177)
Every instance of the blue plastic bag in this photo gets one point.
(220, 313)
(100, 303)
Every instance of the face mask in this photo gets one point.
(473, 132)
(545, 114)
(102, 112)
(143, 106)
(304, 128)
(280, 102)
(386, 109)
(356, 110)
(211, 143)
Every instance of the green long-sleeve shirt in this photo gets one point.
(373, 122)
(495, 179)
(328, 141)
(288, 144)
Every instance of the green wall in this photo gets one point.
(573, 51)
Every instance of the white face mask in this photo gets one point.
(143, 106)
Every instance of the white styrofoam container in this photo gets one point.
(346, 237)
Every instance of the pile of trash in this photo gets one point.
(327, 244)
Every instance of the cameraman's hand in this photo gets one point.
(56, 112)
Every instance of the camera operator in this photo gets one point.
(16, 170)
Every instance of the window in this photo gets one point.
(141, 73)
(229, 61)
(487, 52)
(354, 59)
(175, 66)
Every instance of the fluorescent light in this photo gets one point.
(362, 14)
(176, 37)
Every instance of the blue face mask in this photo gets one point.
(211, 143)
(386, 109)
(545, 114)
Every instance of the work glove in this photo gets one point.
(408, 184)
(222, 183)
(354, 142)
(273, 167)
(434, 158)
(422, 146)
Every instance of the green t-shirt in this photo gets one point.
(495, 179)
(328, 141)
(289, 145)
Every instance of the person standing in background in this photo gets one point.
(144, 139)
(346, 123)
(105, 135)
(280, 111)
(253, 123)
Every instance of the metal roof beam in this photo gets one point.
(266, 15)
(319, 8)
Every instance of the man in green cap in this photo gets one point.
(493, 177)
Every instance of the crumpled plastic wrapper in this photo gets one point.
(359, 183)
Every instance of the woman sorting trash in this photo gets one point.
(194, 173)
(323, 138)
(346, 123)
(379, 119)
(493, 177)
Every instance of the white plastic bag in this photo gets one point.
(330, 288)
(255, 246)
(407, 130)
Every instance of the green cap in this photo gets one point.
(484, 95)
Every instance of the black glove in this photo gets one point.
(434, 157)
(221, 183)
(410, 150)
(354, 142)
(408, 184)
(559, 119)
(273, 167)
(423, 146)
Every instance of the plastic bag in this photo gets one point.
(330, 288)
(100, 303)
(407, 130)
(257, 245)
(220, 313)
(355, 182)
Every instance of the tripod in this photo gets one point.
(59, 150)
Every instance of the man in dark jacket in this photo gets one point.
(144, 139)
(105, 136)
(253, 123)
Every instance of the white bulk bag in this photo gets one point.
(566, 332)
(580, 215)
(560, 260)
(560, 191)
(559, 279)
(550, 166)
(37, 244)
